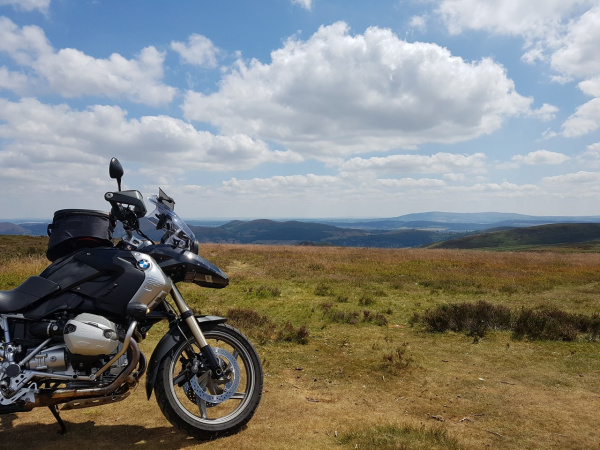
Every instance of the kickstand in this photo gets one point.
(54, 411)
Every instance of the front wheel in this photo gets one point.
(199, 404)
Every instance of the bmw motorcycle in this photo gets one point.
(69, 337)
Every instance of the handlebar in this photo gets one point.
(127, 207)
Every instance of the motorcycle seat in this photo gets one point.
(30, 291)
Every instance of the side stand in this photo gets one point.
(54, 411)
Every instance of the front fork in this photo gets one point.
(188, 315)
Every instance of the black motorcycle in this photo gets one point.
(70, 335)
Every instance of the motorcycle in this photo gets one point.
(70, 335)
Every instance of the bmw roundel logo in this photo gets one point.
(143, 264)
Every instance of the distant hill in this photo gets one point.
(11, 228)
(530, 237)
(411, 230)
(459, 222)
(296, 232)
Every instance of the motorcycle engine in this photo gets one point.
(91, 335)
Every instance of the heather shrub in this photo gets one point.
(476, 319)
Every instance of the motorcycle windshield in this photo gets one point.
(174, 225)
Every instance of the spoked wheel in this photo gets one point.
(201, 405)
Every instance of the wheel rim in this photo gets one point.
(216, 402)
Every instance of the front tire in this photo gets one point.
(199, 405)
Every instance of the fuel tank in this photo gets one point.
(101, 281)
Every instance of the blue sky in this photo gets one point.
(302, 108)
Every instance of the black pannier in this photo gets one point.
(72, 229)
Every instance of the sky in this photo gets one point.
(302, 108)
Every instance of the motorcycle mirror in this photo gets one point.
(115, 170)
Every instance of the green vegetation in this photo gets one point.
(526, 323)
(12, 247)
(567, 237)
(400, 438)
(344, 368)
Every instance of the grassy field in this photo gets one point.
(349, 364)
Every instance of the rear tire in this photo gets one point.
(195, 403)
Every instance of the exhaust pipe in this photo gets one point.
(65, 395)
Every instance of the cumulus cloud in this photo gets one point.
(306, 4)
(563, 33)
(590, 158)
(499, 190)
(418, 23)
(351, 193)
(13, 81)
(540, 157)
(28, 5)
(410, 182)
(337, 94)
(546, 112)
(38, 133)
(581, 177)
(282, 185)
(585, 119)
(198, 51)
(577, 55)
(533, 19)
(577, 58)
(591, 87)
(25, 45)
(577, 185)
(593, 150)
(72, 73)
(402, 164)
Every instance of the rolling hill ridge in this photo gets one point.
(435, 229)
(572, 234)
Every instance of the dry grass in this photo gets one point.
(371, 385)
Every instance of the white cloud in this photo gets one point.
(578, 53)
(199, 51)
(282, 185)
(25, 45)
(591, 87)
(38, 133)
(306, 4)
(13, 81)
(418, 23)
(564, 33)
(532, 19)
(593, 150)
(410, 182)
(540, 157)
(585, 119)
(582, 177)
(28, 5)
(337, 94)
(71, 73)
(546, 112)
(578, 185)
(350, 195)
(577, 57)
(400, 164)
(498, 190)
(590, 158)
(533, 55)
(561, 32)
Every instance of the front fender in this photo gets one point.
(177, 332)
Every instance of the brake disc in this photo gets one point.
(216, 391)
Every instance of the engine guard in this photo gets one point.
(169, 340)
